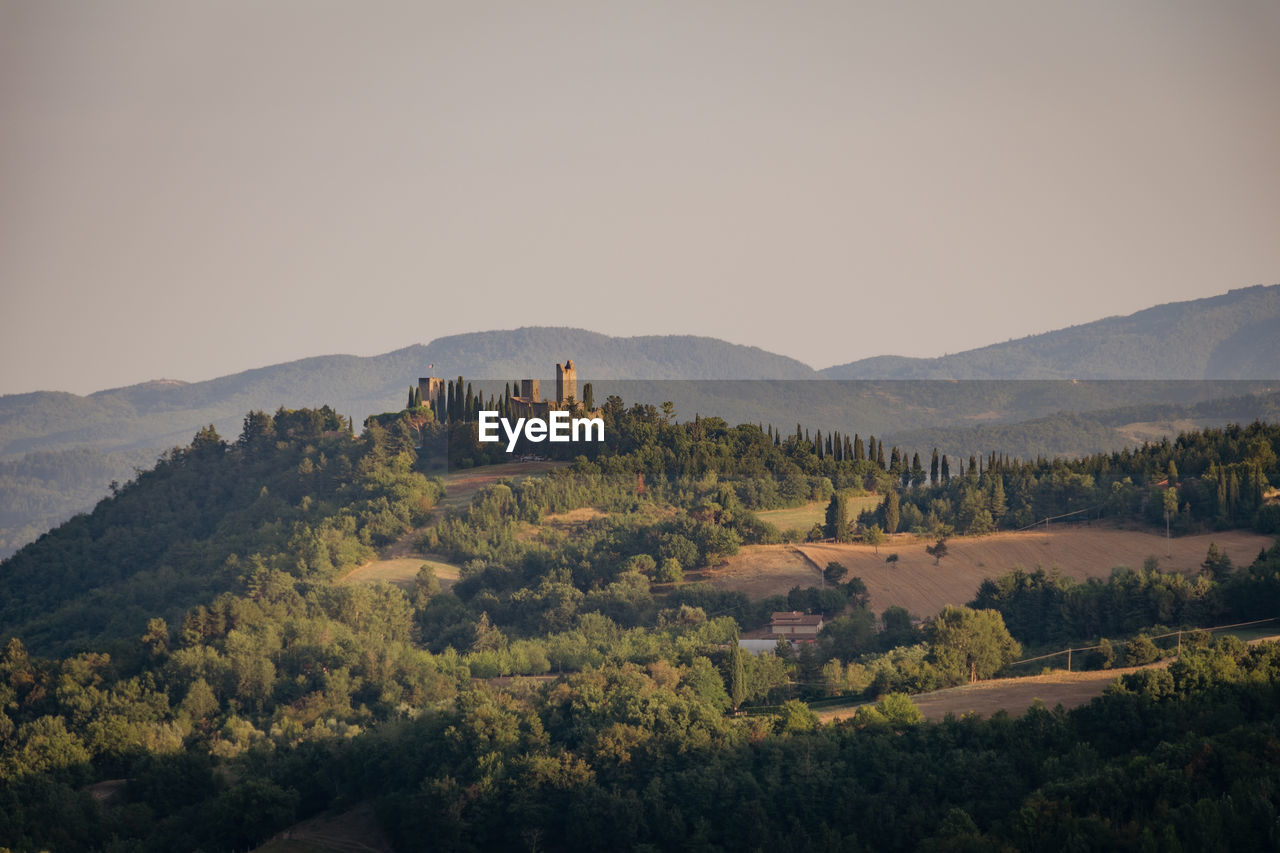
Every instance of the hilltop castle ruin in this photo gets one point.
(527, 399)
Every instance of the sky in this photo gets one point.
(191, 189)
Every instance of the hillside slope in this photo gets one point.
(59, 451)
(1232, 336)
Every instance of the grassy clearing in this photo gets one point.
(814, 512)
(401, 572)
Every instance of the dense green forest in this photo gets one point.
(190, 637)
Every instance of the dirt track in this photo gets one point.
(915, 583)
(1014, 695)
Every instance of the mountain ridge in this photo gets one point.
(1242, 341)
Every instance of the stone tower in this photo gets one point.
(530, 391)
(430, 387)
(566, 382)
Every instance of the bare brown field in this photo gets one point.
(401, 571)
(1014, 695)
(915, 583)
(814, 512)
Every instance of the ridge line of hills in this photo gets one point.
(59, 451)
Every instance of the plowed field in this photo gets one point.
(914, 582)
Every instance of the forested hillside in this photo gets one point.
(59, 451)
(108, 433)
(193, 638)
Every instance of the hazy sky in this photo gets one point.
(192, 189)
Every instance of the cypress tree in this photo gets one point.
(880, 455)
(891, 511)
(410, 403)
(859, 452)
(999, 506)
(589, 397)
(737, 676)
(946, 471)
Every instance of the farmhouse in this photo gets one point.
(795, 625)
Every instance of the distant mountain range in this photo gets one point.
(1232, 336)
(59, 451)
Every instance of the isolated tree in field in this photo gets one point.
(937, 550)
(972, 643)
(892, 558)
(874, 537)
(834, 572)
(1216, 565)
